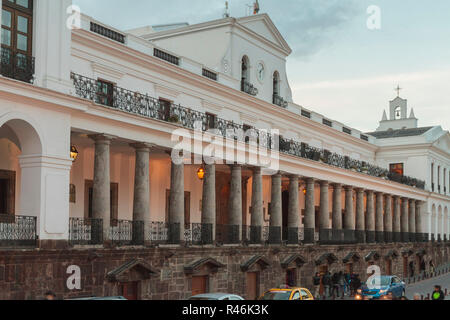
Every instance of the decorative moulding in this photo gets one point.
(102, 71)
(162, 90)
(246, 118)
(211, 107)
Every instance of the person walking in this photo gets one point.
(341, 283)
(326, 281)
(316, 285)
(347, 284)
(335, 288)
(437, 294)
(432, 269)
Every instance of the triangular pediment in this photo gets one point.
(262, 25)
(133, 270)
(443, 143)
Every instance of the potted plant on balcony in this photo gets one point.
(174, 119)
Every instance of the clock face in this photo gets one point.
(261, 70)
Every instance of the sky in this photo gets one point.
(339, 67)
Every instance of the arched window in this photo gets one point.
(398, 113)
(245, 72)
(276, 83)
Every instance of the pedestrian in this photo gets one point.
(356, 284)
(347, 283)
(437, 294)
(316, 285)
(432, 268)
(326, 281)
(341, 283)
(335, 285)
(417, 296)
(411, 269)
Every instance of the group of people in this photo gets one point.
(336, 285)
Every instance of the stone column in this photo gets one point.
(397, 219)
(419, 212)
(293, 210)
(412, 220)
(209, 204)
(370, 218)
(257, 218)
(101, 194)
(349, 221)
(379, 219)
(235, 205)
(388, 219)
(276, 210)
(176, 205)
(360, 216)
(404, 220)
(336, 232)
(310, 211)
(141, 201)
(324, 212)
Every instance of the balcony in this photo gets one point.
(248, 88)
(18, 231)
(145, 106)
(279, 101)
(16, 65)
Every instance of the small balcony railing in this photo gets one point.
(85, 231)
(247, 87)
(127, 233)
(279, 101)
(18, 231)
(198, 234)
(17, 65)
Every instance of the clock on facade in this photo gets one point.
(261, 71)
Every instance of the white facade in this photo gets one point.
(40, 121)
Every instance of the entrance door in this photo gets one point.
(252, 285)
(291, 277)
(129, 290)
(323, 270)
(199, 285)
(389, 267)
(3, 196)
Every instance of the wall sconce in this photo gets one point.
(201, 174)
(304, 191)
(73, 153)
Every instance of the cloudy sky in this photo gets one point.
(339, 66)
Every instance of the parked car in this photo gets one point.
(287, 294)
(216, 296)
(388, 284)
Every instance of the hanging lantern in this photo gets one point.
(73, 153)
(201, 173)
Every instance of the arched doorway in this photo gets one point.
(20, 144)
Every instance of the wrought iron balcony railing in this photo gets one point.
(143, 105)
(17, 65)
(18, 231)
(247, 87)
(279, 101)
(198, 234)
(127, 233)
(85, 231)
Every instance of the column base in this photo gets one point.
(309, 236)
(360, 236)
(388, 237)
(370, 237)
(397, 237)
(379, 236)
(405, 237)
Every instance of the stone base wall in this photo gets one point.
(28, 274)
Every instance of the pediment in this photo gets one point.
(211, 263)
(133, 270)
(260, 260)
(262, 25)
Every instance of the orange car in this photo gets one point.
(287, 294)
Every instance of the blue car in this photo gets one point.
(388, 284)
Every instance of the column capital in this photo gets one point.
(337, 185)
(256, 170)
(360, 190)
(379, 193)
(142, 146)
(324, 183)
(412, 201)
(102, 138)
(371, 192)
(387, 195)
(310, 181)
(348, 188)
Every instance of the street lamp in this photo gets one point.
(201, 174)
(73, 153)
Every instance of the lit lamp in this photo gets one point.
(201, 173)
(304, 191)
(73, 153)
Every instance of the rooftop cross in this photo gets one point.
(398, 89)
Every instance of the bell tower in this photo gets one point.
(398, 115)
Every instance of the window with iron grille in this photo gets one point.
(364, 137)
(346, 130)
(306, 114)
(209, 74)
(108, 33)
(327, 122)
(166, 56)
